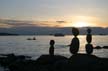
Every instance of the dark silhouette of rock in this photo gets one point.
(47, 59)
(98, 47)
(75, 31)
(47, 62)
(8, 59)
(104, 64)
(74, 46)
(105, 47)
(61, 65)
(84, 62)
(89, 46)
(51, 49)
(23, 65)
(77, 62)
(89, 36)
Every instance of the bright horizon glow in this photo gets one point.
(80, 24)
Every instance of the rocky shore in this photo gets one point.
(77, 62)
(99, 47)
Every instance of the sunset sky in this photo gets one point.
(60, 13)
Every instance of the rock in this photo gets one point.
(98, 47)
(47, 62)
(61, 65)
(89, 48)
(77, 62)
(47, 59)
(74, 46)
(105, 47)
(104, 64)
(84, 62)
(24, 65)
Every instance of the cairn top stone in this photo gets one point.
(75, 31)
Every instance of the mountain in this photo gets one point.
(33, 30)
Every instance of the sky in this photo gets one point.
(54, 13)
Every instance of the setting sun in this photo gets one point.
(80, 24)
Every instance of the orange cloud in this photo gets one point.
(50, 23)
(91, 20)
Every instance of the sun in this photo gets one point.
(80, 24)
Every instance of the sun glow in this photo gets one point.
(80, 24)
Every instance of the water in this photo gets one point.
(21, 46)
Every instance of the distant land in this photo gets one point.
(35, 30)
(6, 34)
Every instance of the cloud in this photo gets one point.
(50, 23)
(61, 22)
(7, 23)
(2, 25)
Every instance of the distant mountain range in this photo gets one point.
(6, 34)
(33, 30)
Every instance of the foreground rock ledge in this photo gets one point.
(77, 62)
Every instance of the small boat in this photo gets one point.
(31, 38)
(59, 34)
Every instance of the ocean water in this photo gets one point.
(19, 45)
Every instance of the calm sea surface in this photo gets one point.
(21, 46)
